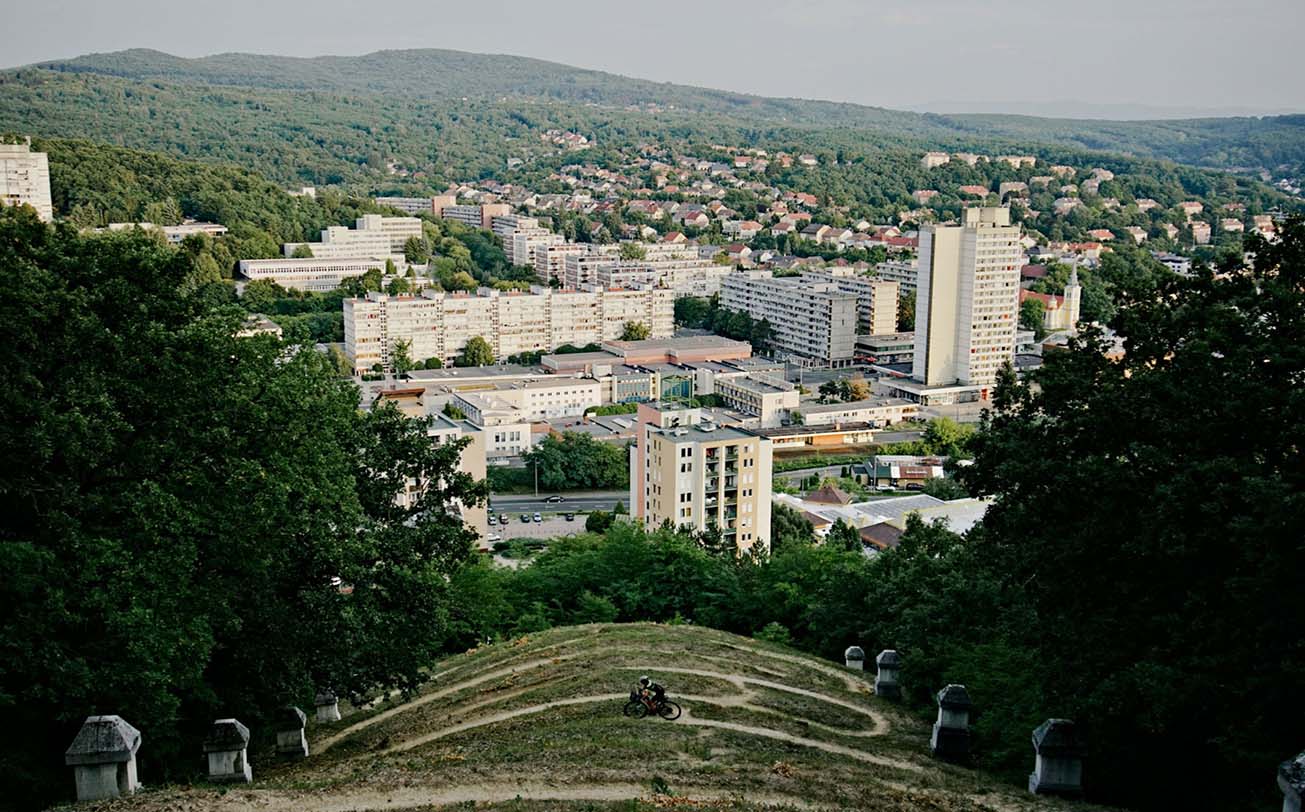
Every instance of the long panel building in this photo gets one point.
(438, 324)
(810, 322)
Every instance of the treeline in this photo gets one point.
(195, 525)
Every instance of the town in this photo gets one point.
(560, 440)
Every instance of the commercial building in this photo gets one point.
(506, 433)
(769, 398)
(314, 274)
(967, 306)
(175, 234)
(803, 439)
(695, 474)
(812, 323)
(876, 299)
(679, 350)
(872, 411)
(25, 179)
(438, 325)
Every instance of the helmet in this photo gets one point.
(644, 680)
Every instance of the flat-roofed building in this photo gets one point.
(439, 325)
(769, 398)
(175, 234)
(314, 274)
(474, 216)
(507, 434)
(813, 323)
(697, 475)
(967, 306)
(25, 179)
(876, 299)
(872, 411)
(905, 272)
(398, 229)
(550, 259)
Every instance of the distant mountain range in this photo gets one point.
(1272, 143)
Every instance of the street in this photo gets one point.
(514, 504)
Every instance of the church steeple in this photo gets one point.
(1073, 299)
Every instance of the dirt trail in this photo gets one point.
(331, 741)
(410, 797)
(852, 683)
(881, 724)
(503, 716)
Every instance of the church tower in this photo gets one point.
(1073, 300)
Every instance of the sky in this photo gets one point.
(1104, 58)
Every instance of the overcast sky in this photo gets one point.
(1105, 57)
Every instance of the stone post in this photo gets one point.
(290, 739)
(854, 658)
(887, 666)
(328, 707)
(227, 746)
(951, 733)
(1291, 780)
(103, 758)
(1058, 768)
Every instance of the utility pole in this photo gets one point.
(536, 466)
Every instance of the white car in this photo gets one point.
(538, 518)
(494, 537)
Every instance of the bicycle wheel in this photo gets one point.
(669, 711)
(635, 709)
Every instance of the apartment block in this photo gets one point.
(314, 274)
(524, 243)
(372, 236)
(474, 216)
(876, 299)
(814, 323)
(906, 273)
(967, 306)
(439, 325)
(398, 229)
(690, 472)
(550, 260)
(25, 179)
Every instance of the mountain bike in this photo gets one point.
(640, 706)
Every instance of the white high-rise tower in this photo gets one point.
(967, 302)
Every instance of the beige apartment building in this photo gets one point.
(25, 179)
(967, 306)
(876, 299)
(371, 236)
(695, 474)
(811, 322)
(439, 325)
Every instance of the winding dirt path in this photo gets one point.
(331, 741)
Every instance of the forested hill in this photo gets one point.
(1246, 143)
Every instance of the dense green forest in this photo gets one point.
(349, 142)
(1268, 142)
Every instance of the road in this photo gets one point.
(515, 504)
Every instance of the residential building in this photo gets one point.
(472, 461)
(314, 274)
(25, 179)
(905, 272)
(876, 299)
(967, 305)
(550, 259)
(476, 215)
(439, 325)
(1200, 232)
(899, 470)
(417, 205)
(932, 159)
(695, 474)
(372, 236)
(506, 433)
(815, 323)
(398, 229)
(175, 234)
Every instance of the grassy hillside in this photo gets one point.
(1269, 142)
(537, 724)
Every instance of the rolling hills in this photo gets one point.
(1268, 143)
(536, 724)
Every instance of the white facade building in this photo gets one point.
(314, 274)
(906, 273)
(25, 179)
(967, 306)
(808, 321)
(439, 325)
(876, 299)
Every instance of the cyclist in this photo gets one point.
(649, 688)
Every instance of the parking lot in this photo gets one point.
(552, 526)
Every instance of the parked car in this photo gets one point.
(491, 521)
(885, 488)
(914, 486)
(555, 498)
(538, 518)
(525, 518)
(494, 537)
(570, 517)
(503, 519)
